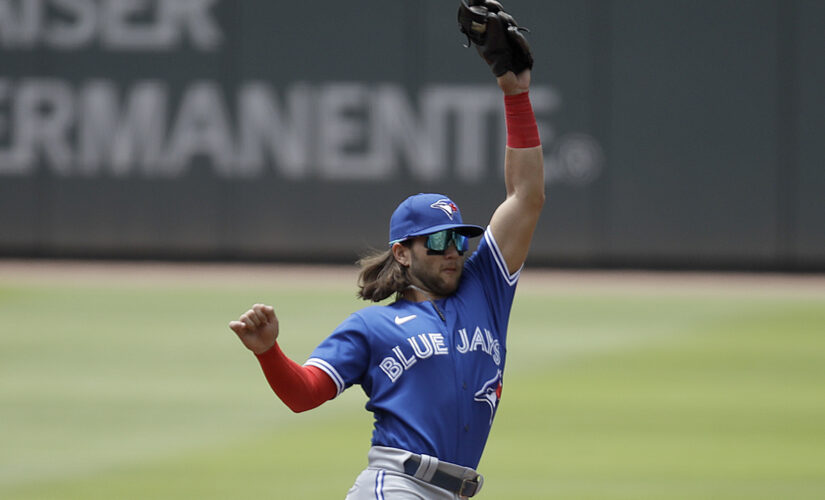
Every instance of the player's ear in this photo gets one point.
(401, 253)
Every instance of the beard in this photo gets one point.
(437, 280)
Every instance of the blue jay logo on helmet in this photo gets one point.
(447, 206)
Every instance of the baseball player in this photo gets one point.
(432, 361)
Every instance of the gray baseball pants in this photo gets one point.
(384, 479)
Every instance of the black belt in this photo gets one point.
(459, 485)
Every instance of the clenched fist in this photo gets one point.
(257, 328)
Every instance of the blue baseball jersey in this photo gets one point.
(433, 385)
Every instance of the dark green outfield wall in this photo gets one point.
(676, 133)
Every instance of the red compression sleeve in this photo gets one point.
(522, 131)
(301, 388)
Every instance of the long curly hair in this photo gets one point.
(381, 275)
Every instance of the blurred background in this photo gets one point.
(164, 164)
(677, 134)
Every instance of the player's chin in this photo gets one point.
(450, 279)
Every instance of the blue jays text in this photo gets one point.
(426, 345)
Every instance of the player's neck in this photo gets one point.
(417, 294)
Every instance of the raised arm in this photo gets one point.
(514, 221)
(500, 43)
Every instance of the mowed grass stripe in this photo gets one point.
(127, 393)
(92, 378)
(731, 410)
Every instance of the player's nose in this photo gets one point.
(451, 252)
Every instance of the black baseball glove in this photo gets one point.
(496, 34)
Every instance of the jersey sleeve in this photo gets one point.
(488, 270)
(344, 355)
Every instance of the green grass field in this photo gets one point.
(116, 390)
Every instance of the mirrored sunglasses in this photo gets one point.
(438, 243)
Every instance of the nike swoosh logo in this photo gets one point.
(401, 321)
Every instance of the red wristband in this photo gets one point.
(522, 131)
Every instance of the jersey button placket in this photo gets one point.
(464, 387)
(460, 390)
